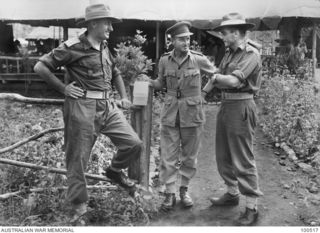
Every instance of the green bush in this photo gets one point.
(130, 58)
(289, 110)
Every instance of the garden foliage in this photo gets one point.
(130, 58)
(290, 107)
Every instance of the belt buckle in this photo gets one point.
(178, 94)
(106, 94)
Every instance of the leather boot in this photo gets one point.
(226, 199)
(79, 211)
(248, 218)
(119, 178)
(185, 198)
(169, 202)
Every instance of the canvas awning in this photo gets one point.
(204, 13)
(51, 33)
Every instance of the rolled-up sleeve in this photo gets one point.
(58, 57)
(205, 65)
(115, 72)
(246, 66)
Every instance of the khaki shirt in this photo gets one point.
(90, 68)
(183, 83)
(245, 64)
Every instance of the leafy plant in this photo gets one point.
(130, 58)
(290, 109)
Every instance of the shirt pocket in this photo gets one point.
(91, 65)
(171, 79)
(232, 67)
(166, 107)
(192, 78)
(194, 111)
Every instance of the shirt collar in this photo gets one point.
(241, 47)
(83, 38)
(171, 54)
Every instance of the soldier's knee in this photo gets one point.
(137, 145)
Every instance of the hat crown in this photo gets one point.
(180, 29)
(234, 20)
(97, 11)
(233, 16)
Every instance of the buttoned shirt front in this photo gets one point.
(245, 64)
(183, 78)
(90, 68)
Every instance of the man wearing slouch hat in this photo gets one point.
(239, 78)
(88, 111)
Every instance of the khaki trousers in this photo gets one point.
(236, 122)
(178, 144)
(84, 120)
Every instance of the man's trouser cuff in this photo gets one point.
(233, 190)
(171, 187)
(251, 202)
(185, 181)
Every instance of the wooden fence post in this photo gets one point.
(141, 121)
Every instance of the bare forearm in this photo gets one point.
(118, 82)
(43, 71)
(227, 81)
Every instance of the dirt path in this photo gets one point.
(277, 207)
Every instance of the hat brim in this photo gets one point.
(215, 34)
(83, 22)
(184, 34)
(246, 26)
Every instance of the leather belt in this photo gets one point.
(184, 93)
(236, 96)
(99, 95)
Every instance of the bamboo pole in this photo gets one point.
(30, 100)
(39, 190)
(20, 98)
(32, 138)
(49, 169)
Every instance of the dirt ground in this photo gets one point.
(278, 206)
